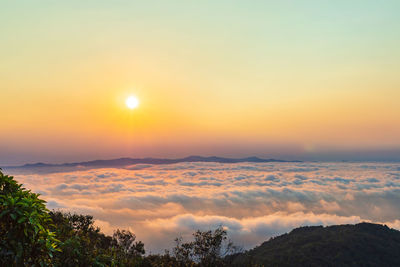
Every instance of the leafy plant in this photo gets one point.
(82, 243)
(24, 226)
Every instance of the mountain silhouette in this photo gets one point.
(121, 162)
(363, 244)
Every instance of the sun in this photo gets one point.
(132, 102)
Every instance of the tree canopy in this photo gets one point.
(363, 244)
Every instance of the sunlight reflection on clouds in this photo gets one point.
(254, 200)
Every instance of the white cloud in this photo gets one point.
(255, 201)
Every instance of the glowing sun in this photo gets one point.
(132, 102)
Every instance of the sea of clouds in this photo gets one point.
(254, 201)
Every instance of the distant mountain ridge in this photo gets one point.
(158, 161)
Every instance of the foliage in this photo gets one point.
(165, 260)
(83, 244)
(126, 250)
(24, 226)
(363, 244)
(208, 249)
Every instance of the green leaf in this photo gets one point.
(3, 213)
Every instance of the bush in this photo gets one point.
(24, 226)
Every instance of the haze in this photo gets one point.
(310, 80)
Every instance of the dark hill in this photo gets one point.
(363, 244)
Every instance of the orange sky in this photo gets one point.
(211, 78)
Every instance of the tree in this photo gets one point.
(82, 243)
(24, 226)
(165, 260)
(209, 248)
(125, 250)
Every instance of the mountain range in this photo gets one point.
(121, 162)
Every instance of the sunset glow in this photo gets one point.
(213, 121)
(132, 102)
(275, 84)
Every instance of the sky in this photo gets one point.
(252, 201)
(313, 80)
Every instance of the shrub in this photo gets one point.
(24, 226)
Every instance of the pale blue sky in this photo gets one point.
(270, 76)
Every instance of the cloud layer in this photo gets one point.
(254, 201)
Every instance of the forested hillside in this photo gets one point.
(363, 244)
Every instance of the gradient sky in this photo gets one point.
(294, 79)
